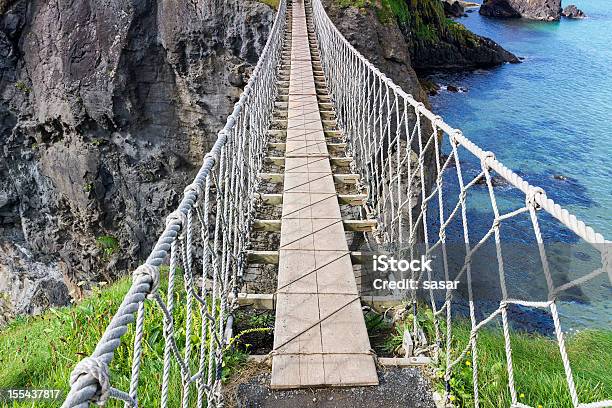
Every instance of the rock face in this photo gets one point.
(546, 10)
(106, 111)
(437, 43)
(29, 286)
(384, 44)
(572, 11)
(420, 39)
(453, 8)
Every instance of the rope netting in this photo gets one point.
(200, 257)
(411, 164)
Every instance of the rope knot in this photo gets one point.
(98, 369)
(496, 223)
(442, 234)
(457, 134)
(177, 217)
(530, 198)
(488, 157)
(195, 187)
(437, 120)
(211, 156)
(150, 271)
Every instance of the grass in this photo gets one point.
(271, 3)
(20, 85)
(41, 351)
(108, 244)
(538, 368)
(387, 11)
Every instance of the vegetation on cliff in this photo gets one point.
(424, 19)
(435, 41)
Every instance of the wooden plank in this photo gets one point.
(266, 301)
(349, 225)
(353, 199)
(338, 178)
(384, 361)
(357, 258)
(267, 225)
(262, 257)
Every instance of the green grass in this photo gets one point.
(271, 3)
(40, 352)
(360, 4)
(538, 368)
(108, 244)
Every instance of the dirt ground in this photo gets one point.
(399, 387)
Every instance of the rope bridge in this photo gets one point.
(397, 148)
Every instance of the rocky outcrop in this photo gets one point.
(546, 10)
(383, 43)
(499, 9)
(572, 11)
(419, 37)
(439, 43)
(106, 111)
(453, 8)
(27, 285)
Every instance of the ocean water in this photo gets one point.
(550, 120)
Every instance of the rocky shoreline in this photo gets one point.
(544, 10)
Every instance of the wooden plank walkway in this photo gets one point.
(320, 337)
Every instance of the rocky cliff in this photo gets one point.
(437, 42)
(107, 108)
(401, 36)
(547, 10)
(379, 38)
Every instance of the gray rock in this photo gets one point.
(106, 110)
(399, 387)
(453, 8)
(546, 10)
(28, 286)
(572, 11)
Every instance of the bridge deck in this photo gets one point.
(320, 336)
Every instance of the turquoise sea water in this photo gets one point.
(549, 116)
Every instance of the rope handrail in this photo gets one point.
(396, 144)
(221, 191)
